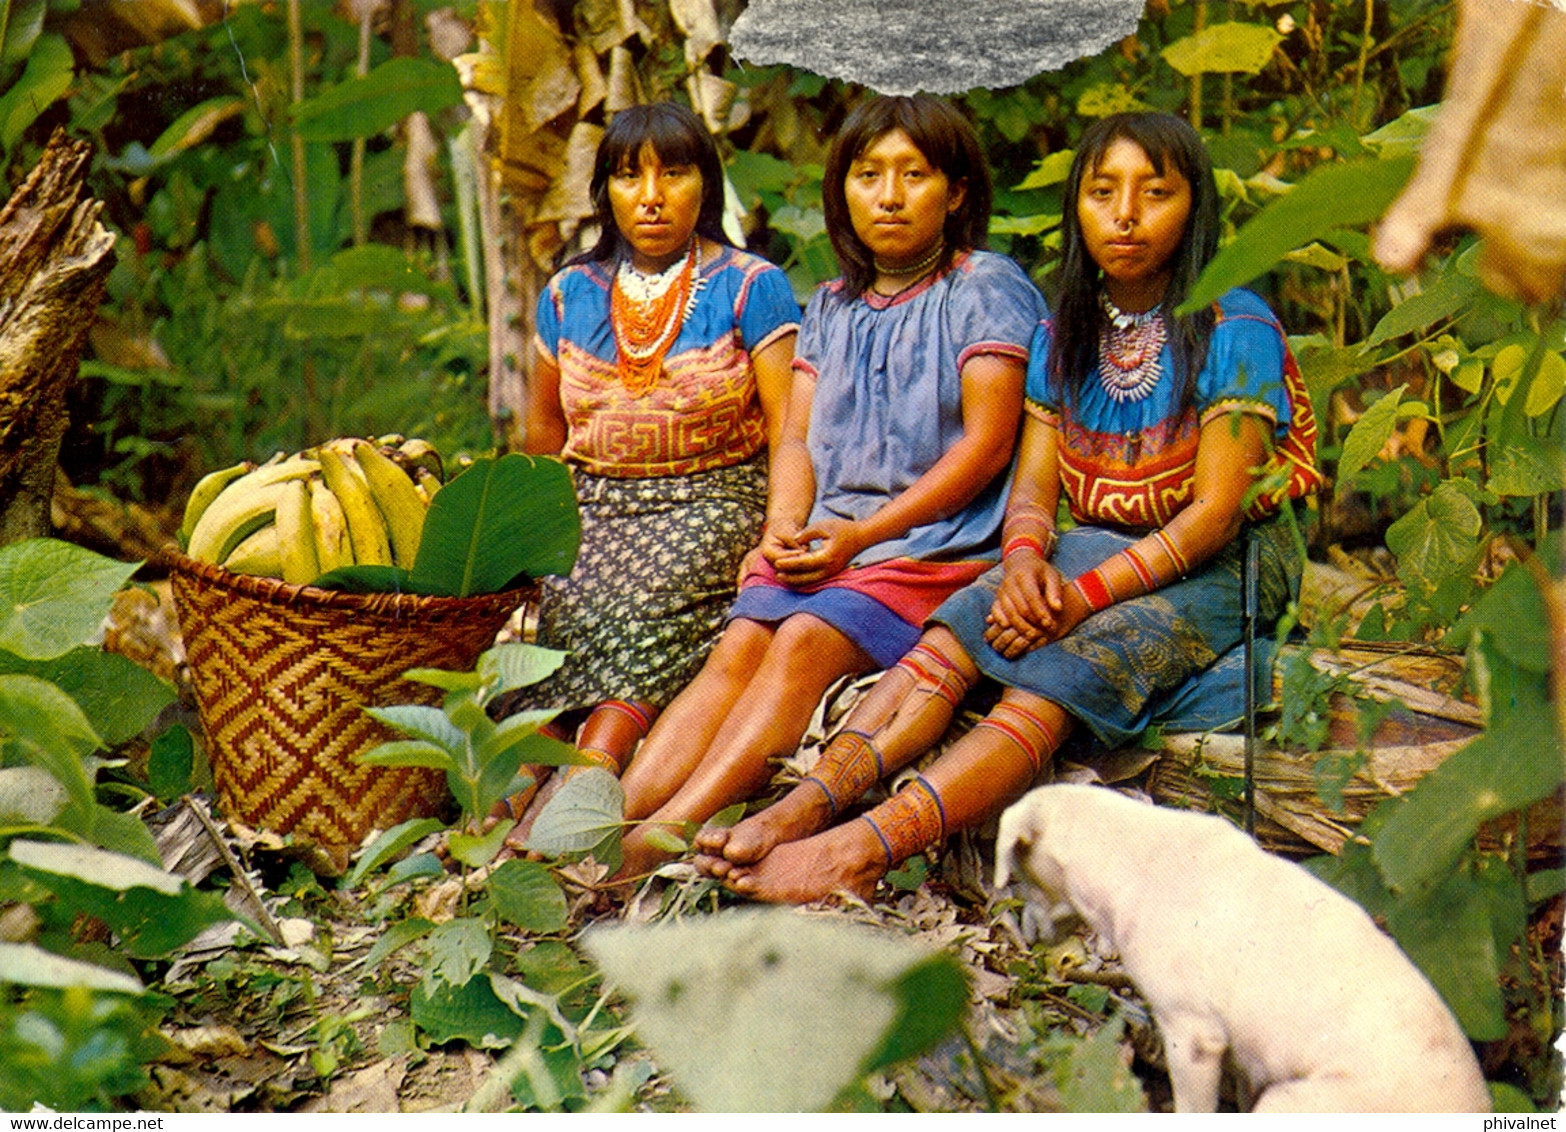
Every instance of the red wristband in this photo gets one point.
(1094, 590)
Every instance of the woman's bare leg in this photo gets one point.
(982, 772)
(904, 715)
(805, 657)
(685, 730)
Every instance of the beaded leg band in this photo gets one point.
(848, 767)
(1021, 727)
(908, 821)
(935, 674)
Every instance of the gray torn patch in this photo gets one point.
(939, 46)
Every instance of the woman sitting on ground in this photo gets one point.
(888, 484)
(1159, 427)
(663, 374)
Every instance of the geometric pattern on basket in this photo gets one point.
(280, 674)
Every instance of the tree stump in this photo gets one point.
(54, 264)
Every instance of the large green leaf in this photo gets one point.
(1330, 196)
(1227, 47)
(1514, 763)
(150, 910)
(48, 76)
(526, 894)
(27, 965)
(516, 665)
(54, 595)
(363, 107)
(24, 21)
(51, 732)
(118, 696)
(497, 521)
(768, 1010)
(1511, 615)
(1450, 934)
(1436, 538)
(1450, 294)
(587, 809)
(471, 1012)
(389, 844)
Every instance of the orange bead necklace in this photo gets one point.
(646, 324)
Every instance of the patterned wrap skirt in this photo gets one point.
(651, 587)
(1114, 671)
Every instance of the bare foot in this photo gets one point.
(846, 858)
(637, 856)
(801, 812)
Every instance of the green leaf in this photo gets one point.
(476, 851)
(150, 910)
(1329, 197)
(514, 666)
(389, 844)
(1525, 465)
(458, 950)
(1514, 763)
(1450, 294)
(118, 696)
(1368, 436)
(1511, 615)
(445, 679)
(1507, 367)
(1052, 170)
(27, 965)
(1436, 538)
(394, 939)
(1227, 47)
(1405, 135)
(1024, 225)
(1548, 384)
(526, 894)
(1094, 1076)
(422, 722)
(496, 521)
(24, 23)
(50, 731)
(30, 795)
(48, 75)
(363, 107)
(408, 752)
(588, 807)
(765, 1010)
(171, 764)
(666, 840)
(932, 998)
(1449, 934)
(54, 595)
(196, 125)
(471, 1013)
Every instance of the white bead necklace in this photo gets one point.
(1130, 350)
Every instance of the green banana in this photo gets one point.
(257, 553)
(366, 527)
(400, 502)
(240, 508)
(332, 545)
(208, 488)
(296, 534)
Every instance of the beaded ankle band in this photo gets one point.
(908, 821)
(848, 767)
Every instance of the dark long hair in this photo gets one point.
(940, 132)
(1167, 140)
(678, 138)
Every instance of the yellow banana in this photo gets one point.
(296, 534)
(366, 528)
(421, 453)
(332, 545)
(244, 505)
(257, 553)
(390, 440)
(427, 482)
(208, 488)
(400, 502)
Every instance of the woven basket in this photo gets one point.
(281, 673)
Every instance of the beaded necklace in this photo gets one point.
(646, 313)
(930, 259)
(1130, 348)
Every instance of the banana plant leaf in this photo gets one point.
(498, 521)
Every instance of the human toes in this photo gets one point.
(711, 839)
(713, 866)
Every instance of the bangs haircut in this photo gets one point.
(1169, 142)
(948, 142)
(678, 137)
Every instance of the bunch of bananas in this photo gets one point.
(346, 502)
